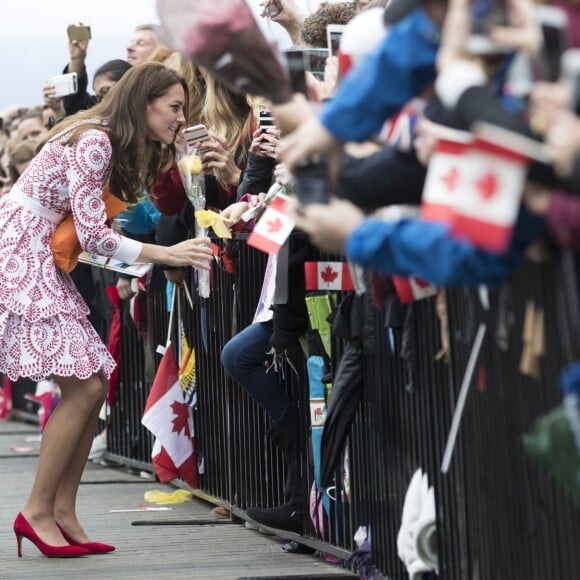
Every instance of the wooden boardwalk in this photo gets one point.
(224, 549)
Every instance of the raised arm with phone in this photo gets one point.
(288, 14)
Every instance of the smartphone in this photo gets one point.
(570, 66)
(312, 184)
(195, 136)
(554, 24)
(296, 69)
(485, 14)
(266, 122)
(315, 61)
(79, 32)
(266, 119)
(63, 85)
(333, 36)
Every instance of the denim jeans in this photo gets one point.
(244, 359)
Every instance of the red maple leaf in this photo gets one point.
(181, 418)
(487, 185)
(274, 226)
(450, 179)
(329, 275)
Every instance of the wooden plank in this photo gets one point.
(209, 551)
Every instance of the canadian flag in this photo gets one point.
(413, 288)
(170, 420)
(488, 204)
(445, 180)
(328, 276)
(273, 228)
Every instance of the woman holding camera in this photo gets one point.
(44, 330)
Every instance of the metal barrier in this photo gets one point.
(499, 516)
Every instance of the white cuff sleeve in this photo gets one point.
(128, 251)
(455, 79)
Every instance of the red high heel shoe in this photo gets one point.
(23, 529)
(91, 547)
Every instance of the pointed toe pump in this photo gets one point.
(23, 529)
(91, 547)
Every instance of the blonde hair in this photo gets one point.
(230, 115)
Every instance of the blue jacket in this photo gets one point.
(385, 80)
(425, 249)
(140, 219)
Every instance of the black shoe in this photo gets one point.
(296, 548)
(287, 517)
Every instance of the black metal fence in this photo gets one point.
(498, 515)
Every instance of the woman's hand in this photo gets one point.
(291, 115)
(329, 225)
(124, 289)
(55, 104)
(195, 252)
(235, 211)
(175, 276)
(215, 155)
(287, 13)
(454, 35)
(78, 54)
(524, 32)
(265, 142)
(304, 135)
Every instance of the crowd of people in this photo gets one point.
(374, 120)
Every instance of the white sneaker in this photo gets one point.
(98, 448)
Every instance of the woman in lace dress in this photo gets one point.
(44, 330)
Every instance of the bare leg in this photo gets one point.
(65, 504)
(63, 435)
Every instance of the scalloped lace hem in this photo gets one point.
(37, 372)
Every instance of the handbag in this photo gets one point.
(65, 243)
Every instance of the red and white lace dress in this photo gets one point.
(44, 328)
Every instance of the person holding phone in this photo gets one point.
(103, 78)
(123, 141)
(288, 14)
(261, 159)
(374, 91)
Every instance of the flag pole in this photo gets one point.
(188, 295)
(462, 397)
(171, 313)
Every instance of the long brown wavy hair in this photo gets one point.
(136, 159)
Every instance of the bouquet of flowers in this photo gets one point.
(224, 37)
(190, 170)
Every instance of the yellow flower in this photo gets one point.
(189, 165)
(210, 219)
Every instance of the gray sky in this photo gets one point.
(34, 43)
